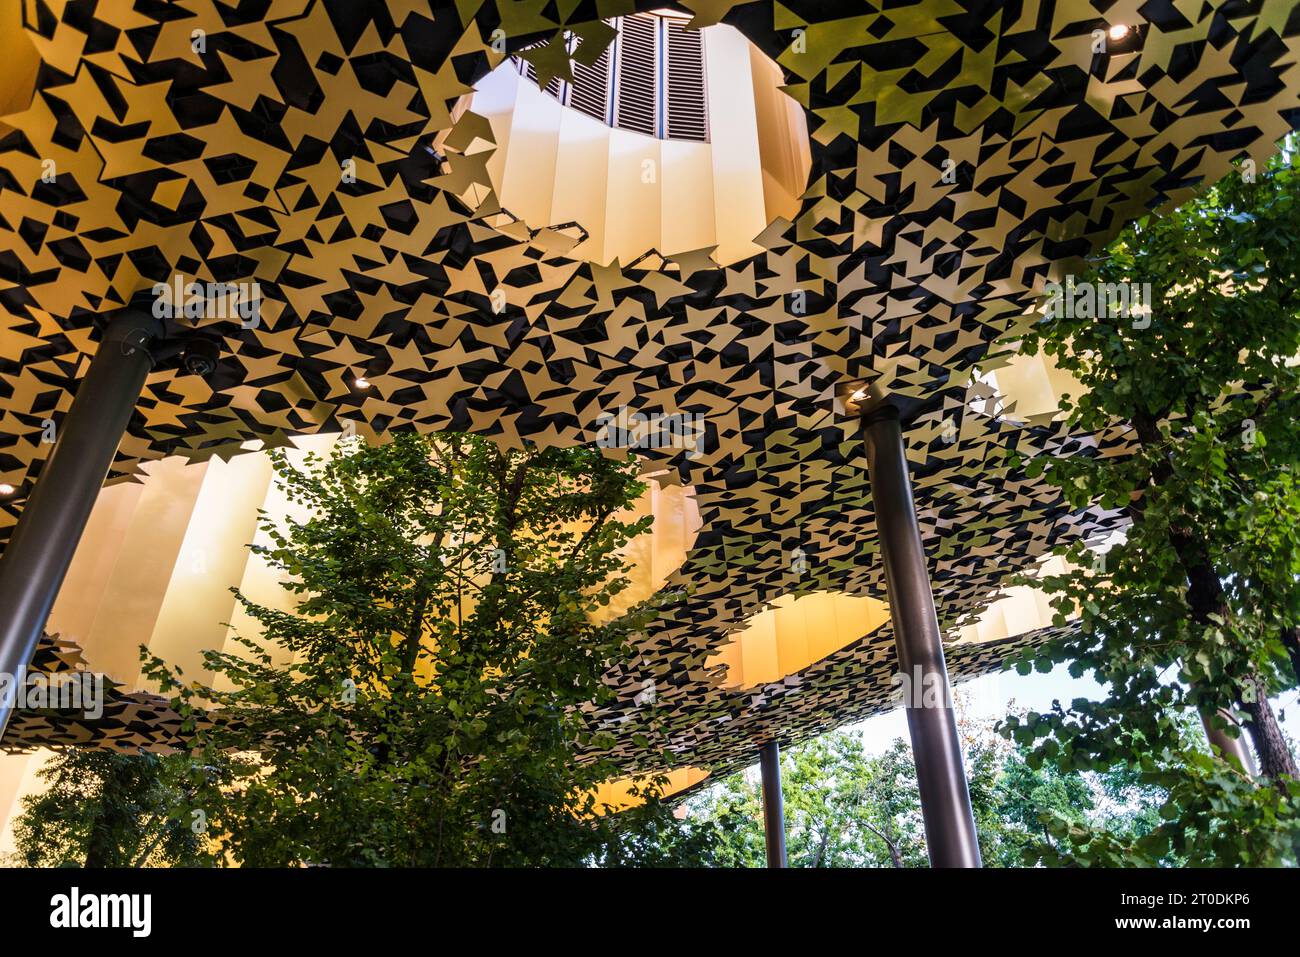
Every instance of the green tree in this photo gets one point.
(108, 809)
(1196, 610)
(1024, 797)
(734, 806)
(846, 808)
(424, 702)
(889, 810)
(843, 808)
(829, 786)
(1050, 817)
(652, 834)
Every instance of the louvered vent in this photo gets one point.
(638, 73)
(590, 90)
(687, 118)
(649, 80)
(554, 87)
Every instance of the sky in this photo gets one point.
(994, 695)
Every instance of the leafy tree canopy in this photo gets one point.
(426, 702)
(845, 807)
(1196, 610)
(107, 809)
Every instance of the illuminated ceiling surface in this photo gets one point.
(225, 165)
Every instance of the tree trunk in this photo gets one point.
(1275, 759)
(99, 849)
(1205, 597)
(415, 633)
(821, 847)
(152, 845)
(894, 855)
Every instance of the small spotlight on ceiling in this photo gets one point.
(361, 382)
(1119, 31)
(859, 395)
(6, 489)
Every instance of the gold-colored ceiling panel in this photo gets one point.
(962, 154)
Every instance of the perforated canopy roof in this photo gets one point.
(224, 165)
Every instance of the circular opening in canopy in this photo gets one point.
(665, 140)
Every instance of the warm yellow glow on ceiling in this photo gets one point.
(1018, 610)
(1030, 387)
(170, 548)
(795, 633)
(656, 556)
(18, 62)
(618, 794)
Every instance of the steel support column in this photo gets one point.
(769, 763)
(945, 798)
(42, 545)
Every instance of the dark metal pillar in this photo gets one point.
(1230, 748)
(945, 799)
(769, 763)
(41, 548)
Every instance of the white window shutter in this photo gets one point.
(649, 80)
(636, 106)
(685, 100)
(591, 86)
(528, 70)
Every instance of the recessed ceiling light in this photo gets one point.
(6, 488)
(859, 395)
(1119, 31)
(361, 383)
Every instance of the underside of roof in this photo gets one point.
(223, 165)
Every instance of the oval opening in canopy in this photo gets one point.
(672, 141)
